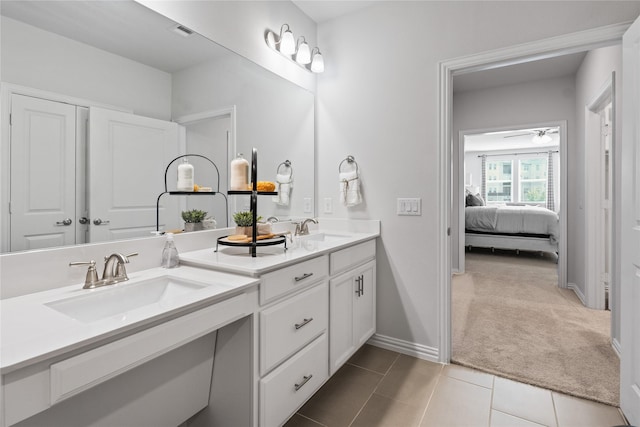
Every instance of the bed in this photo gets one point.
(529, 228)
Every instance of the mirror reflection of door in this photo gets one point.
(43, 174)
(128, 155)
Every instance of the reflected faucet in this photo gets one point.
(302, 228)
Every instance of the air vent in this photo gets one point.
(181, 30)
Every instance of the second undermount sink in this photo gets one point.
(106, 302)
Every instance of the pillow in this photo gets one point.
(474, 200)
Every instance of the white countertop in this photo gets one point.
(32, 332)
(238, 260)
(32, 329)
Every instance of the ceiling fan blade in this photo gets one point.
(520, 134)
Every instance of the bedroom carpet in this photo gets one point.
(509, 318)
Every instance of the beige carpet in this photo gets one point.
(511, 319)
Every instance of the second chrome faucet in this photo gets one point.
(302, 228)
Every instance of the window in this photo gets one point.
(516, 181)
(533, 180)
(499, 180)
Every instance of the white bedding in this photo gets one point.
(512, 219)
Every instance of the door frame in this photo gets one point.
(562, 148)
(594, 291)
(560, 45)
(231, 139)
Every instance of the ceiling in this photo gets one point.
(326, 10)
(507, 140)
(559, 66)
(100, 24)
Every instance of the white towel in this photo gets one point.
(284, 184)
(350, 188)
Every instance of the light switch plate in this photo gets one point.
(328, 205)
(409, 206)
(307, 208)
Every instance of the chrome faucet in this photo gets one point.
(302, 228)
(114, 270)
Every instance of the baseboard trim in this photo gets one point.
(615, 344)
(405, 347)
(578, 293)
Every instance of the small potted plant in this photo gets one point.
(244, 222)
(193, 219)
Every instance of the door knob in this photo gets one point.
(98, 221)
(66, 221)
(83, 220)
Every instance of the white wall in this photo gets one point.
(273, 116)
(594, 72)
(378, 101)
(43, 60)
(536, 102)
(241, 26)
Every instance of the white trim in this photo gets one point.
(617, 348)
(551, 47)
(576, 290)
(593, 175)
(405, 347)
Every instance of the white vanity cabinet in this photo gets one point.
(352, 300)
(293, 338)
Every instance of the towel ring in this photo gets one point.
(286, 164)
(350, 161)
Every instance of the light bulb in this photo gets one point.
(287, 42)
(303, 55)
(317, 63)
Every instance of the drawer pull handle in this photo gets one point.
(304, 322)
(305, 380)
(304, 276)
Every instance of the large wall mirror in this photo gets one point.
(102, 95)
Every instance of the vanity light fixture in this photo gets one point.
(317, 63)
(303, 54)
(298, 52)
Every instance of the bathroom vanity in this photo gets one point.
(225, 339)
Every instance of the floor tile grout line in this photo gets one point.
(374, 389)
(310, 419)
(426, 407)
(555, 411)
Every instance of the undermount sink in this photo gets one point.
(102, 303)
(323, 237)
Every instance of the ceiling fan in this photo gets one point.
(540, 136)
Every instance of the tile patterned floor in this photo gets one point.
(379, 387)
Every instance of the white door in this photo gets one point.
(630, 235)
(42, 173)
(341, 339)
(128, 155)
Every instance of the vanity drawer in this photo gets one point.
(290, 325)
(284, 390)
(280, 282)
(350, 257)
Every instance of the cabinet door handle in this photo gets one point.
(304, 322)
(305, 380)
(361, 284)
(304, 276)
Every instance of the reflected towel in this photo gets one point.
(350, 188)
(284, 184)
